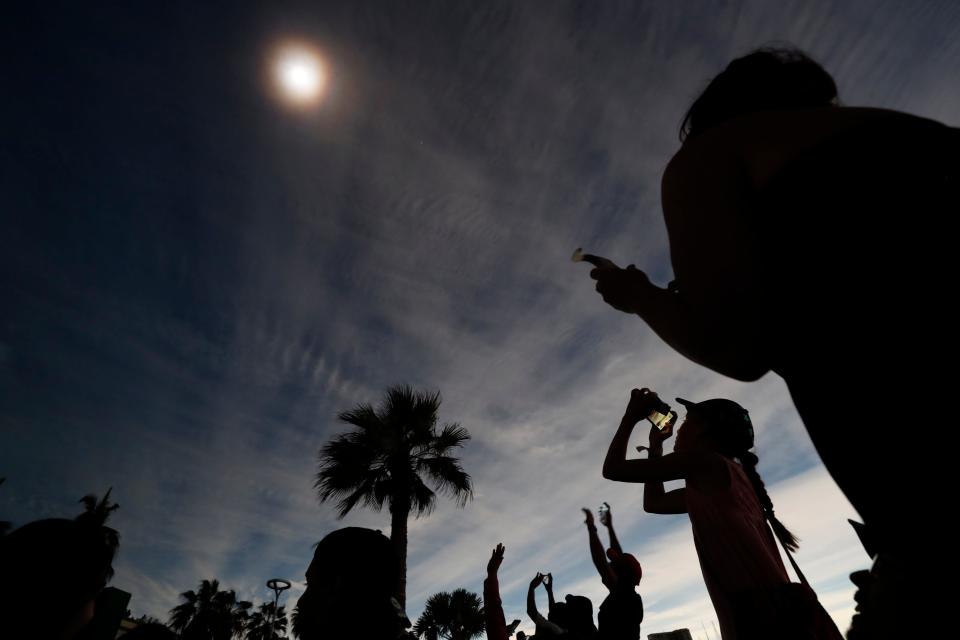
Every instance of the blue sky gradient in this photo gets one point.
(196, 279)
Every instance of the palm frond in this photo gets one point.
(363, 416)
(423, 500)
(449, 478)
(451, 436)
(344, 465)
(97, 511)
(455, 614)
(362, 493)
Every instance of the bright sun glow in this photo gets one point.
(299, 74)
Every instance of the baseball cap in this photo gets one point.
(726, 413)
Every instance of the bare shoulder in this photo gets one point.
(756, 146)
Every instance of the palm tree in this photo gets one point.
(295, 622)
(385, 458)
(97, 512)
(210, 614)
(451, 616)
(264, 624)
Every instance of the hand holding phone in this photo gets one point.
(604, 512)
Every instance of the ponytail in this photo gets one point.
(749, 462)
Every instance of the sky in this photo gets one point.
(196, 277)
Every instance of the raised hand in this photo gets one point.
(496, 558)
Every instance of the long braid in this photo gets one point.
(749, 463)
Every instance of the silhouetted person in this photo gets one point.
(731, 515)
(621, 612)
(495, 623)
(574, 614)
(815, 241)
(556, 622)
(580, 617)
(350, 586)
(51, 572)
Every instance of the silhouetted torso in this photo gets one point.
(835, 227)
(736, 548)
(620, 615)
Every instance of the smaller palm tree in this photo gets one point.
(210, 614)
(295, 622)
(95, 515)
(451, 616)
(267, 624)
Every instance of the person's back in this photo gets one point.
(620, 615)
(737, 551)
(850, 212)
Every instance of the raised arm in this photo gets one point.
(495, 623)
(597, 554)
(606, 519)
(538, 619)
(655, 500)
(532, 598)
(617, 467)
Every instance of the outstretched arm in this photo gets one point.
(711, 315)
(693, 333)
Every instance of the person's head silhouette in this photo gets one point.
(350, 588)
(766, 79)
(52, 572)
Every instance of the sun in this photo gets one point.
(299, 74)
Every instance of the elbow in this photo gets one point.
(618, 473)
(654, 502)
(732, 353)
(747, 371)
(741, 360)
(744, 369)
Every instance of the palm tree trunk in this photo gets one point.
(399, 510)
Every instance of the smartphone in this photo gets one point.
(661, 418)
(595, 260)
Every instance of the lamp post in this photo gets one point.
(279, 585)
